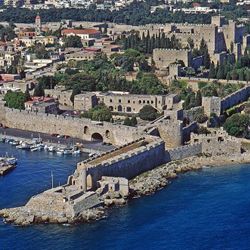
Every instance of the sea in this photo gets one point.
(207, 209)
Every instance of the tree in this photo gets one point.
(190, 43)
(237, 125)
(27, 95)
(15, 100)
(212, 72)
(198, 98)
(130, 121)
(148, 113)
(39, 90)
(73, 41)
(99, 113)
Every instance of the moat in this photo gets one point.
(199, 210)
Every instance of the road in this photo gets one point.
(95, 145)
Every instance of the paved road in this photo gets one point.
(96, 145)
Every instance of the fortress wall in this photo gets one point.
(130, 164)
(74, 127)
(184, 152)
(235, 98)
(164, 57)
(171, 131)
(187, 131)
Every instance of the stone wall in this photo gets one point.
(217, 105)
(74, 127)
(192, 127)
(235, 98)
(217, 142)
(127, 165)
(164, 57)
(183, 152)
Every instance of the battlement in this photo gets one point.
(161, 49)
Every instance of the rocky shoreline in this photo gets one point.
(144, 184)
(153, 180)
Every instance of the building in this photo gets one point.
(125, 102)
(84, 34)
(42, 105)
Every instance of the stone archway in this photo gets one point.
(96, 137)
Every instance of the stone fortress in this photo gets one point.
(137, 150)
(220, 36)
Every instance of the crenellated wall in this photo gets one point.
(75, 127)
(128, 165)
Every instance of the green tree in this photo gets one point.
(237, 125)
(39, 90)
(15, 100)
(99, 113)
(212, 72)
(148, 113)
(72, 41)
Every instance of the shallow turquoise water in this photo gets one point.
(208, 209)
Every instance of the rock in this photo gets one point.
(62, 220)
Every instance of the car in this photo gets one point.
(54, 135)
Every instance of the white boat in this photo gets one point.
(24, 145)
(46, 147)
(51, 149)
(67, 151)
(8, 160)
(92, 154)
(60, 151)
(37, 147)
(76, 152)
(15, 143)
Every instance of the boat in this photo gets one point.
(8, 161)
(24, 146)
(76, 152)
(14, 143)
(51, 149)
(11, 160)
(60, 151)
(37, 147)
(92, 154)
(67, 151)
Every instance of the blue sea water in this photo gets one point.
(209, 209)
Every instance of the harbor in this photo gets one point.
(58, 144)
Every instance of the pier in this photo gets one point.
(6, 169)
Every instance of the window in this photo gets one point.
(128, 101)
(139, 101)
(129, 109)
(152, 102)
(147, 102)
(120, 100)
(110, 100)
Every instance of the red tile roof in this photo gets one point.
(80, 31)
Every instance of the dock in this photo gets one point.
(6, 169)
